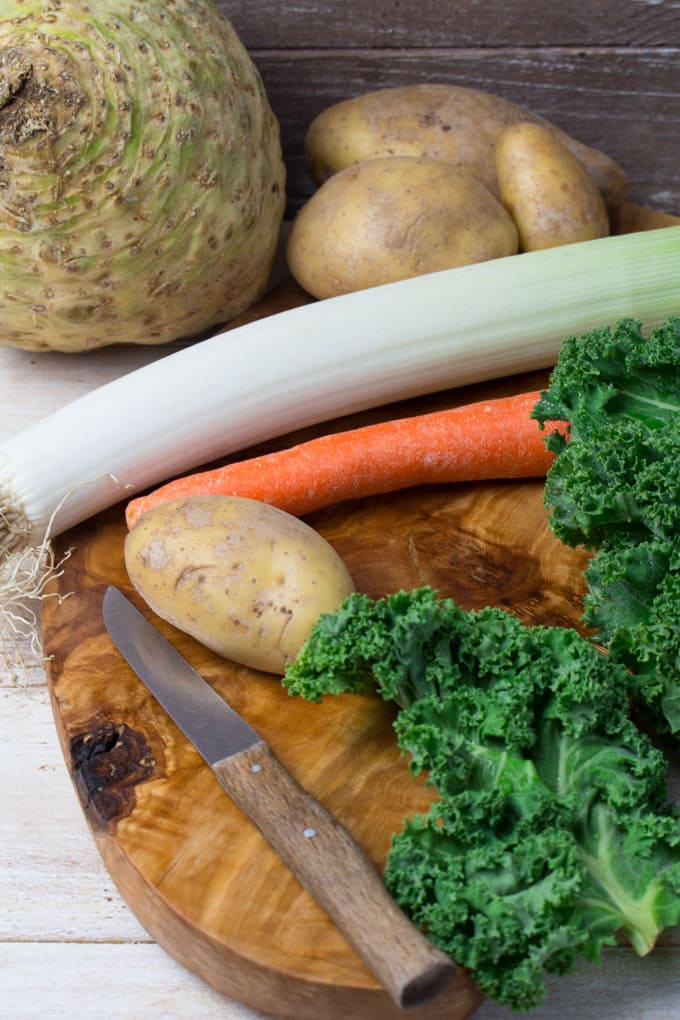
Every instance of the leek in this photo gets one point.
(314, 363)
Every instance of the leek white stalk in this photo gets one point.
(317, 362)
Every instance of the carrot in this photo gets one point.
(485, 440)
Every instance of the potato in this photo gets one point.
(388, 219)
(547, 191)
(455, 124)
(244, 578)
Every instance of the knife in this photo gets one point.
(310, 841)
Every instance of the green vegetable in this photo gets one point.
(620, 393)
(615, 488)
(551, 831)
(633, 605)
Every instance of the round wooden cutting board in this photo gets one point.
(196, 873)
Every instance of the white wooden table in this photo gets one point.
(68, 943)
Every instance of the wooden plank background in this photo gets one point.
(606, 71)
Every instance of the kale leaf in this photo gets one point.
(611, 374)
(614, 488)
(551, 831)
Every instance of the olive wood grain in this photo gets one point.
(196, 872)
(340, 877)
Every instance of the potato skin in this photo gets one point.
(448, 122)
(389, 219)
(546, 190)
(244, 578)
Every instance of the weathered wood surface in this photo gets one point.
(606, 72)
(492, 24)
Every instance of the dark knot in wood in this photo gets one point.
(108, 763)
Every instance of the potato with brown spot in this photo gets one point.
(547, 191)
(388, 219)
(457, 125)
(244, 578)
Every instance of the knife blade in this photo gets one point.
(309, 840)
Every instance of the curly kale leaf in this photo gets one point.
(408, 644)
(551, 830)
(621, 485)
(614, 487)
(611, 374)
(497, 906)
(618, 473)
(339, 655)
(633, 605)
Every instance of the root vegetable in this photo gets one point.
(140, 171)
(388, 219)
(548, 192)
(455, 124)
(473, 442)
(244, 578)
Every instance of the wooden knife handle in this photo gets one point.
(338, 874)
